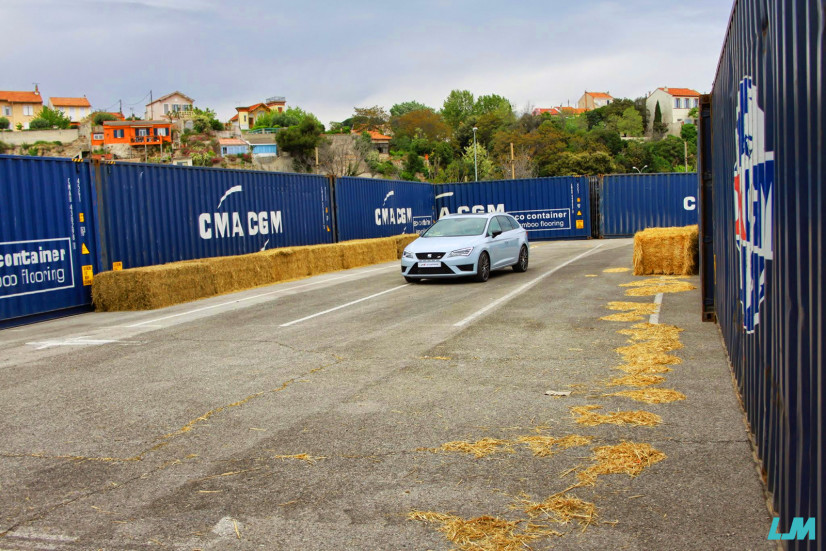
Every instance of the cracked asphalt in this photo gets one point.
(228, 423)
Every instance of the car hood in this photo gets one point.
(443, 244)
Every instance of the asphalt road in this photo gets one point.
(178, 428)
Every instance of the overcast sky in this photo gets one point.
(328, 57)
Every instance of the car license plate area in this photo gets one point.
(429, 264)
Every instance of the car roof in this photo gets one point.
(474, 215)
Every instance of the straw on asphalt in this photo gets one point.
(480, 448)
(485, 533)
(563, 509)
(652, 395)
(546, 446)
(629, 458)
(586, 415)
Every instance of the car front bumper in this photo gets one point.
(455, 266)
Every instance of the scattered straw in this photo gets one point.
(616, 270)
(631, 311)
(651, 287)
(591, 275)
(485, 533)
(652, 395)
(564, 509)
(649, 347)
(637, 379)
(300, 457)
(585, 415)
(652, 331)
(546, 446)
(625, 458)
(480, 448)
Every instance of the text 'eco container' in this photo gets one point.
(154, 214)
(548, 208)
(47, 237)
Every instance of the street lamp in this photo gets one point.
(475, 169)
(638, 170)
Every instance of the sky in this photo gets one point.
(329, 57)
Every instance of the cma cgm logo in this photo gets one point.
(753, 192)
(389, 216)
(217, 225)
(799, 530)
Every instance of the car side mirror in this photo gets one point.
(495, 233)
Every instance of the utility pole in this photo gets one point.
(513, 164)
(151, 107)
(316, 160)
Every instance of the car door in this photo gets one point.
(511, 237)
(496, 247)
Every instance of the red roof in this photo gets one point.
(600, 95)
(571, 110)
(21, 97)
(70, 102)
(231, 141)
(378, 136)
(681, 92)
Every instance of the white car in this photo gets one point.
(462, 245)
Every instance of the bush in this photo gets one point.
(4, 123)
(39, 124)
(101, 116)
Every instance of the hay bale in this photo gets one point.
(672, 251)
(154, 287)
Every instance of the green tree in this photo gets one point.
(291, 116)
(420, 122)
(659, 127)
(413, 165)
(204, 120)
(630, 124)
(492, 104)
(458, 106)
(484, 165)
(99, 117)
(300, 142)
(369, 118)
(4, 123)
(50, 118)
(406, 107)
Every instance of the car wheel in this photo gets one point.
(411, 279)
(483, 269)
(522, 264)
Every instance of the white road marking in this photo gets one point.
(154, 321)
(343, 306)
(655, 317)
(78, 341)
(521, 289)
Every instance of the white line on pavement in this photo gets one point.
(521, 289)
(195, 311)
(655, 317)
(342, 306)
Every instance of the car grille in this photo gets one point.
(441, 270)
(429, 256)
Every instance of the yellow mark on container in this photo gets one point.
(87, 275)
(580, 224)
(84, 249)
(81, 217)
(579, 213)
(117, 266)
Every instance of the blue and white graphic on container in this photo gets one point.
(753, 195)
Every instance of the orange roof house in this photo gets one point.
(76, 109)
(245, 117)
(675, 105)
(134, 133)
(20, 107)
(594, 100)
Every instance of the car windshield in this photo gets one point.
(457, 227)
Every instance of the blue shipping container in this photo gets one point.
(47, 237)
(154, 214)
(367, 207)
(632, 202)
(767, 169)
(548, 208)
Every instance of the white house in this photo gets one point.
(675, 103)
(594, 100)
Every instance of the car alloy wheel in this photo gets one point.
(522, 264)
(483, 271)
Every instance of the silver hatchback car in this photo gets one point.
(462, 245)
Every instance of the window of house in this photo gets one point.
(118, 132)
(97, 136)
(28, 110)
(165, 108)
(696, 102)
(142, 132)
(677, 103)
(162, 132)
(71, 113)
(7, 111)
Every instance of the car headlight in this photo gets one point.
(461, 252)
(408, 254)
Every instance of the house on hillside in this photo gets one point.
(542, 110)
(132, 133)
(76, 109)
(675, 103)
(171, 106)
(594, 100)
(233, 146)
(262, 145)
(380, 141)
(245, 117)
(20, 107)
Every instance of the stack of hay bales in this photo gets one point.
(668, 251)
(153, 287)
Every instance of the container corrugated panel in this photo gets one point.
(367, 207)
(47, 237)
(768, 174)
(548, 208)
(153, 214)
(632, 202)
